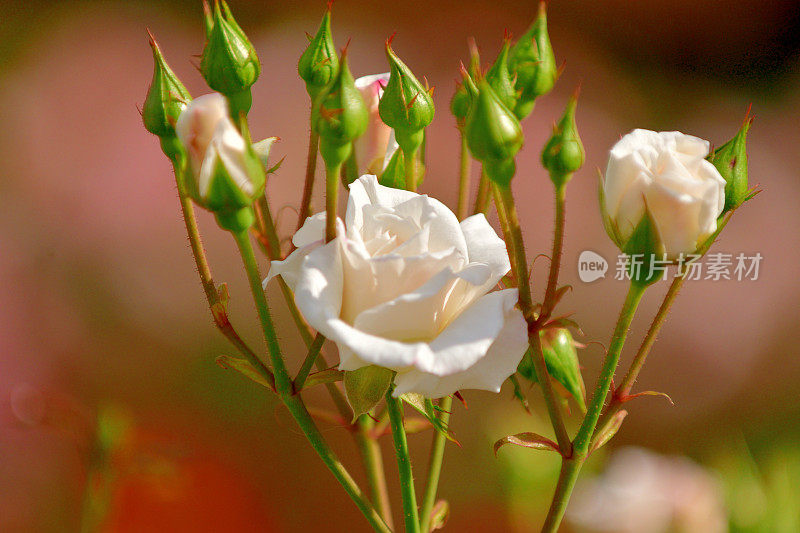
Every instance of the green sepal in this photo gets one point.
(229, 62)
(406, 105)
(394, 175)
(499, 77)
(564, 154)
(165, 101)
(319, 63)
(493, 132)
(561, 359)
(647, 248)
(532, 60)
(365, 387)
(730, 159)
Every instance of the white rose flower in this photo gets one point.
(375, 148)
(405, 286)
(665, 174)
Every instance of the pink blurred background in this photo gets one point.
(101, 305)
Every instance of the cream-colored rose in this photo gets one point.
(405, 286)
(377, 145)
(667, 175)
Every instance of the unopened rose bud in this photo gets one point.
(532, 60)
(226, 174)
(319, 64)
(500, 78)
(406, 105)
(166, 99)
(376, 147)
(561, 358)
(229, 62)
(340, 116)
(563, 154)
(466, 90)
(660, 196)
(731, 161)
(494, 135)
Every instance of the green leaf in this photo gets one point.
(245, 368)
(439, 515)
(365, 387)
(329, 375)
(527, 440)
(425, 407)
(610, 430)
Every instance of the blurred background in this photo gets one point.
(106, 342)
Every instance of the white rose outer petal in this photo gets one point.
(441, 330)
(665, 172)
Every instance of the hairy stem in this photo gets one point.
(580, 447)
(284, 388)
(435, 465)
(625, 386)
(555, 258)
(373, 465)
(308, 362)
(206, 279)
(410, 514)
(516, 245)
(331, 198)
(464, 179)
(308, 186)
(484, 192)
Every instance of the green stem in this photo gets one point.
(625, 386)
(308, 186)
(311, 358)
(283, 385)
(516, 245)
(209, 288)
(331, 198)
(435, 465)
(411, 169)
(580, 446)
(373, 465)
(410, 516)
(483, 198)
(555, 258)
(464, 179)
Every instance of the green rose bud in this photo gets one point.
(561, 359)
(459, 103)
(494, 135)
(499, 77)
(533, 62)
(462, 98)
(406, 105)
(563, 154)
(730, 159)
(340, 117)
(319, 64)
(229, 62)
(166, 99)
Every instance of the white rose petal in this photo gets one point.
(404, 286)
